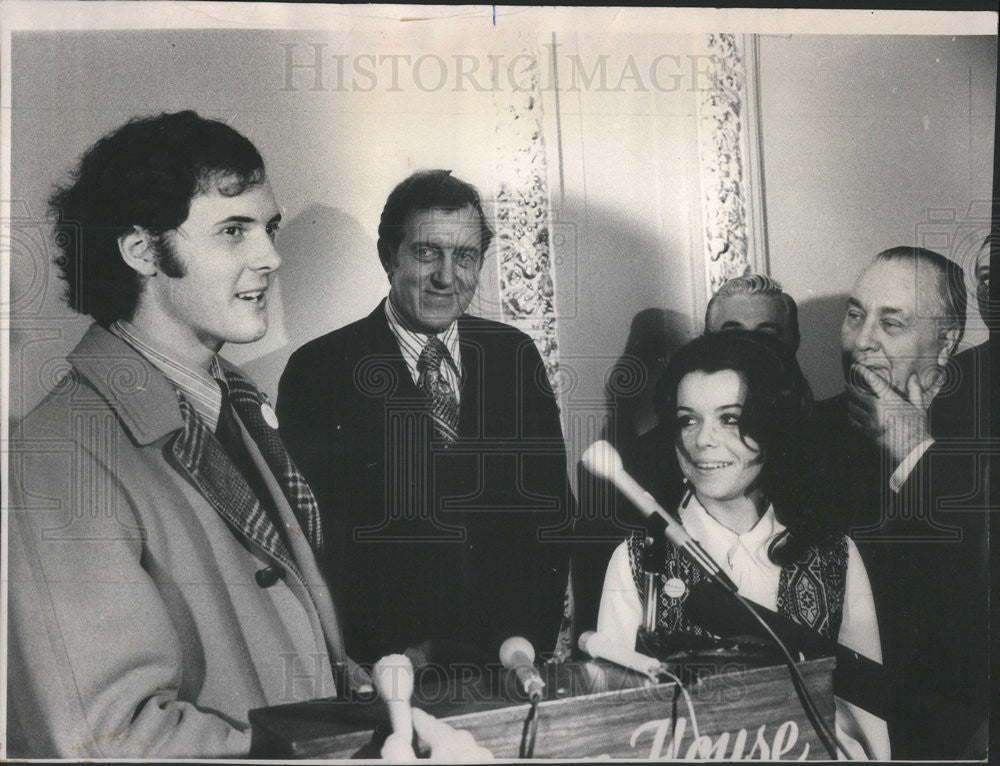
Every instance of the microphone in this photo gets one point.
(599, 646)
(393, 677)
(518, 654)
(603, 460)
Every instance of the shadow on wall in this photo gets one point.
(819, 354)
(654, 336)
(330, 277)
(621, 292)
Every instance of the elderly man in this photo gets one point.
(163, 578)
(900, 496)
(754, 302)
(904, 318)
(433, 441)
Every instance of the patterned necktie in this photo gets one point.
(256, 413)
(444, 405)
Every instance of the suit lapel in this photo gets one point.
(383, 348)
(202, 458)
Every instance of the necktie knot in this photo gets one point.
(432, 355)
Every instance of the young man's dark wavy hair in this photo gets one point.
(775, 416)
(144, 174)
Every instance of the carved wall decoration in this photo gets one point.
(729, 158)
(524, 255)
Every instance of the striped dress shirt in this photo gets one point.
(412, 343)
(201, 387)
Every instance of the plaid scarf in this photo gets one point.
(210, 468)
(250, 405)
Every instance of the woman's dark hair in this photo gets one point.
(778, 403)
(143, 174)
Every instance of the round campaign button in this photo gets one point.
(674, 587)
(269, 415)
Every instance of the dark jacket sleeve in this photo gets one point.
(543, 579)
(307, 421)
(930, 579)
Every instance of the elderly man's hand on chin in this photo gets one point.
(897, 424)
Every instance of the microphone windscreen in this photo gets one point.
(513, 646)
(393, 677)
(397, 749)
(602, 460)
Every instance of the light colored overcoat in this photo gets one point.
(137, 626)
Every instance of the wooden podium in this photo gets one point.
(591, 710)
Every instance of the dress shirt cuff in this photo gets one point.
(906, 466)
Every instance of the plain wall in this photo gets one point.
(868, 143)
(627, 204)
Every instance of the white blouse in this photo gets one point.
(744, 558)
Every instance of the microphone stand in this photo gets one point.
(653, 554)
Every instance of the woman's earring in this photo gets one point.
(688, 492)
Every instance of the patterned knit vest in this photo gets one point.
(810, 591)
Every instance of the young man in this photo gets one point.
(163, 578)
(433, 441)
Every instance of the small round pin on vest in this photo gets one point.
(270, 417)
(674, 587)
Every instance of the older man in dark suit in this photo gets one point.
(433, 442)
(908, 500)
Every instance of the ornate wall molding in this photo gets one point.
(524, 253)
(729, 160)
(524, 256)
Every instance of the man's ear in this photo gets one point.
(949, 343)
(137, 250)
(386, 257)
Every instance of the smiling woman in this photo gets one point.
(714, 455)
(736, 403)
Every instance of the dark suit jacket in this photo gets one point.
(926, 551)
(427, 542)
(962, 409)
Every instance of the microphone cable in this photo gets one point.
(827, 737)
(687, 699)
(529, 732)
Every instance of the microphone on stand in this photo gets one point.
(602, 460)
(599, 646)
(393, 677)
(518, 654)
